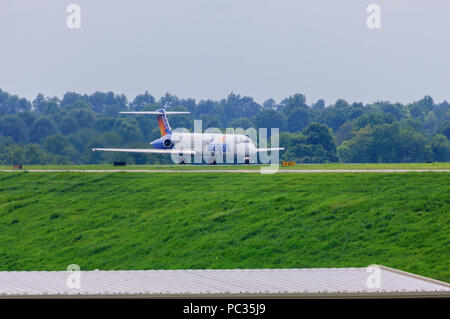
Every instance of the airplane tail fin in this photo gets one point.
(163, 123)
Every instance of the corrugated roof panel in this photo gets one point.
(216, 282)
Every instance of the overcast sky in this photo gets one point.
(208, 48)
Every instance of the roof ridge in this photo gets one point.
(405, 273)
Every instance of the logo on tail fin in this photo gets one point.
(163, 124)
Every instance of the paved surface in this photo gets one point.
(220, 283)
(230, 170)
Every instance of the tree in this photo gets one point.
(207, 107)
(377, 132)
(356, 150)
(39, 103)
(45, 105)
(304, 148)
(441, 148)
(93, 157)
(27, 117)
(297, 100)
(110, 138)
(169, 100)
(99, 101)
(128, 130)
(12, 154)
(427, 102)
(333, 118)
(85, 118)
(241, 122)
(374, 119)
(12, 104)
(4, 103)
(445, 129)
(104, 124)
(341, 103)
(56, 144)
(182, 120)
(269, 118)
(68, 124)
(211, 121)
(42, 128)
(189, 104)
(235, 106)
(270, 104)
(33, 154)
(344, 133)
(320, 134)
(13, 126)
(431, 123)
(23, 105)
(81, 139)
(5, 141)
(298, 119)
(399, 111)
(319, 105)
(386, 143)
(70, 98)
(421, 108)
(442, 111)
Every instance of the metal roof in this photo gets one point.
(312, 282)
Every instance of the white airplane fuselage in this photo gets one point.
(237, 145)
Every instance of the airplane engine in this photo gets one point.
(167, 142)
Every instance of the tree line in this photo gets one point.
(50, 130)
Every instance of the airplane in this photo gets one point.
(212, 144)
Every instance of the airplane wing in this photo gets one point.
(270, 149)
(143, 150)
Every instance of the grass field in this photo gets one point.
(183, 221)
(427, 166)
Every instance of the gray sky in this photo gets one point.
(208, 48)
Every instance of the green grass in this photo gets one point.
(333, 166)
(192, 221)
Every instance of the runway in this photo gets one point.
(292, 171)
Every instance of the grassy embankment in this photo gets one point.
(333, 166)
(181, 221)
